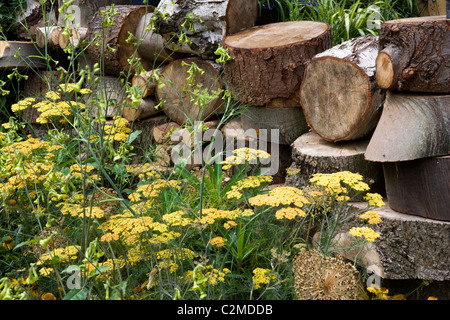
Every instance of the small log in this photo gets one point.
(180, 96)
(115, 51)
(412, 126)
(206, 23)
(21, 55)
(145, 82)
(311, 154)
(289, 123)
(145, 109)
(161, 133)
(153, 46)
(75, 37)
(48, 36)
(419, 187)
(32, 17)
(106, 99)
(269, 61)
(339, 94)
(414, 55)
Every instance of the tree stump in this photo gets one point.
(414, 55)
(269, 61)
(339, 94)
(311, 154)
(205, 23)
(289, 123)
(145, 109)
(182, 98)
(419, 187)
(114, 51)
(412, 126)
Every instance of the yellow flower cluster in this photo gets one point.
(217, 241)
(76, 210)
(381, 293)
(372, 217)
(128, 227)
(168, 258)
(365, 232)
(289, 213)
(27, 147)
(177, 218)
(105, 273)
(64, 254)
(242, 155)
(213, 275)
(280, 196)
(333, 182)
(374, 199)
(262, 276)
(84, 171)
(118, 130)
(153, 189)
(22, 105)
(211, 215)
(53, 111)
(247, 183)
(147, 170)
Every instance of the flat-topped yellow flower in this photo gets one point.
(281, 196)
(366, 232)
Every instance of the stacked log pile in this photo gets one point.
(412, 139)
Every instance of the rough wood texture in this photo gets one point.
(162, 132)
(419, 187)
(20, 54)
(268, 61)
(339, 94)
(145, 82)
(414, 55)
(290, 123)
(32, 18)
(179, 102)
(211, 21)
(412, 126)
(48, 36)
(108, 92)
(145, 109)
(75, 37)
(311, 154)
(125, 22)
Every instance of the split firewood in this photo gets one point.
(75, 37)
(48, 36)
(339, 94)
(145, 82)
(106, 99)
(268, 61)
(414, 55)
(32, 17)
(205, 23)
(145, 109)
(189, 97)
(161, 133)
(115, 50)
(412, 126)
(21, 55)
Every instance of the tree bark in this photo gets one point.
(414, 55)
(339, 94)
(183, 101)
(208, 23)
(21, 55)
(33, 18)
(419, 187)
(269, 61)
(75, 37)
(106, 99)
(48, 36)
(114, 51)
(412, 126)
(311, 154)
(162, 132)
(145, 109)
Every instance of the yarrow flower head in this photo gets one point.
(372, 217)
(338, 183)
(262, 276)
(280, 196)
(374, 199)
(366, 232)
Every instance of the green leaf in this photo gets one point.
(76, 294)
(25, 243)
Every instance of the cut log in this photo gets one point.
(311, 154)
(145, 109)
(114, 51)
(339, 94)
(145, 82)
(268, 61)
(206, 23)
(287, 124)
(75, 37)
(32, 17)
(161, 133)
(183, 100)
(437, 7)
(48, 36)
(419, 187)
(21, 55)
(106, 99)
(412, 126)
(414, 55)
(153, 46)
